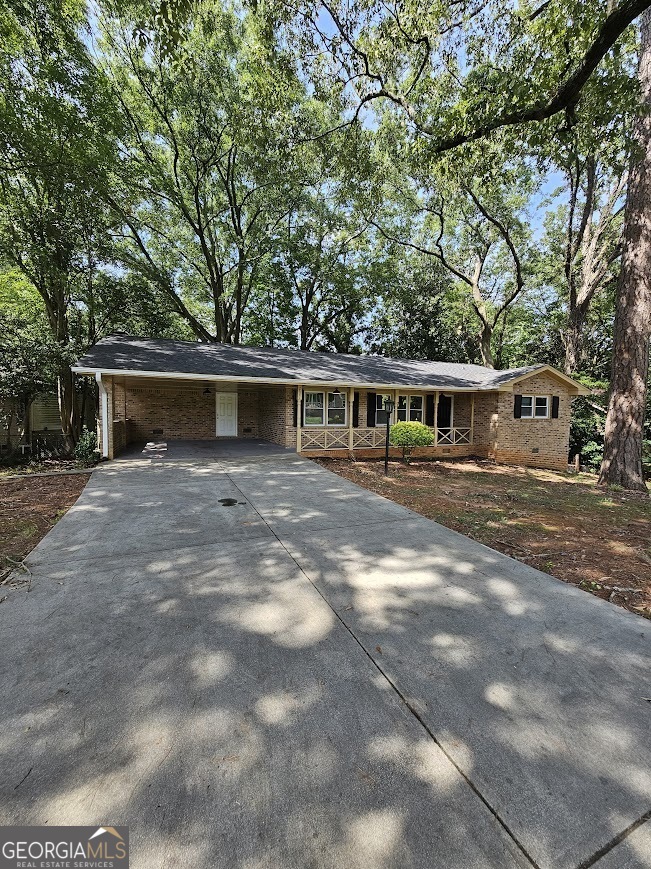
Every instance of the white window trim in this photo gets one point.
(325, 423)
(533, 398)
(382, 410)
(409, 396)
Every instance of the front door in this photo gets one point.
(227, 414)
(444, 414)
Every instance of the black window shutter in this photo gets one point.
(356, 410)
(555, 403)
(517, 407)
(429, 410)
(295, 402)
(370, 409)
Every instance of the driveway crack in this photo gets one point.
(617, 840)
(402, 697)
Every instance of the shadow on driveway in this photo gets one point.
(314, 677)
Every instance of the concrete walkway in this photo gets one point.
(254, 663)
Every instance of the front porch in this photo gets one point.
(374, 438)
(450, 416)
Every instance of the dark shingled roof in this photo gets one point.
(123, 353)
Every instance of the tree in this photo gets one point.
(584, 245)
(207, 174)
(458, 72)
(477, 235)
(322, 260)
(29, 358)
(624, 432)
(56, 144)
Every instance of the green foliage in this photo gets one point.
(29, 357)
(86, 452)
(409, 435)
(591, 455)
(646, 459)
(162, 173)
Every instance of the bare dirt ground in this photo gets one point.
(562, 524)
(47, 466)
(29, 507)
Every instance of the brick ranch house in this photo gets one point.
(325, 403)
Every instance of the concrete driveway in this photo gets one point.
(254, 663)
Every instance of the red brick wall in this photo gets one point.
(486, 420)
(273, 413)
(542, 443)
(182, 412)
(248, 412)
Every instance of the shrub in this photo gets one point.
(86, 450)
(591, 455)
(409, 435)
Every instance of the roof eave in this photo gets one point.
(276, 381)
(576, 387)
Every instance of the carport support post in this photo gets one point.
(104, 409)
(472, 418)
(351, 401)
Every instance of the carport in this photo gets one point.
(209, 451)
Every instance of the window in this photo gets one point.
(527, 406)
(416, 408)
(410, 408)
(315, 408)
(336, 408)
(541, 407)
(535, 407)
(380, 412)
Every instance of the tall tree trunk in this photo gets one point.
(67, 407)
(622, 462)
(573, 337)
(485, 336)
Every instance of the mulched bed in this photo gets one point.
(29, 507)
(562, 524)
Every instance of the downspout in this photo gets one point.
(103, 403)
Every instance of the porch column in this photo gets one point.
(436, 418)
(104, 412)
(299, 415)
(472, 418)
(351, 399)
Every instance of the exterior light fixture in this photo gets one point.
(389, 404)
(206, 391)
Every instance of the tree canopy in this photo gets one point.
(443, 180)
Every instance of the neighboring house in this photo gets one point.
(325, 403)
(43, 420)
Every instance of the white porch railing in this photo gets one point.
(363, 438)
(324, 438)
(370, 438)
(454, 436)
